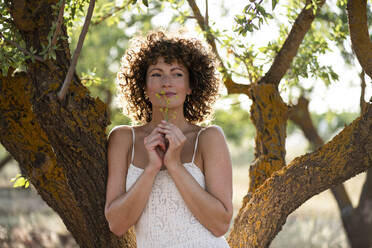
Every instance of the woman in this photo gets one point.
(173, 181)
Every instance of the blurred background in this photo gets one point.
(325, 72)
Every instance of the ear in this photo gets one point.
(189, 91)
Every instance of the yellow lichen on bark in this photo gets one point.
(21, 133)
(261, 169)
(93, 112)
(269, 115)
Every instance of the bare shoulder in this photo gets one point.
(212, 140)
(121, 130)
(119, 142)
(211, 134)
(120, 135)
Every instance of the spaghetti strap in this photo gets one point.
(133, 135)
(196, 143)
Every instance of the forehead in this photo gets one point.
(162, 63)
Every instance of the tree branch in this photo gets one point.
(361, 44)
(290, 47)
(108, 15)
(5, 160)
(71, 69)
(363, 89)
(59, 25)
(231, 86)
(206, 14)
(353, 225)
(346, 155)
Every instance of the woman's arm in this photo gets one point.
(213, 206)
(122, 208)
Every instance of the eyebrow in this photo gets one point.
(174, 68)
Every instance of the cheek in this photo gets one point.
(150, 86)
(184, 85)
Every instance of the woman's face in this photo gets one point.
(172, 80)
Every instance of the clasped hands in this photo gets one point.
(172, 142)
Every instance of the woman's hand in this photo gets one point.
(176, 141)
(155, 146)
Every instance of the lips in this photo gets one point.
(169, 94)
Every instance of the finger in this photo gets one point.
(150, 138)
(175, 132)
(161, 143)
(154, 131)
(153, 144)
(165, 125)
(171, 127)
(173, 141)
(148, 141)
(164, 130)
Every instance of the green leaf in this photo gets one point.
(53, 54)
(4, 70)
(145, 2)
(260, 9)
(273, 3)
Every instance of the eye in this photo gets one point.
(178, 74)
(155, 75)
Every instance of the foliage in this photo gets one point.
(254, 15)
(335, 27)
(10, 56)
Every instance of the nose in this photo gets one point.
(165, 80)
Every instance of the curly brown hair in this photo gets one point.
(197, 58)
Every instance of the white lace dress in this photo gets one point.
(166, 221)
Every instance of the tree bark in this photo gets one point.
(346, 155)
(61, 145)
(269, 115)
(361, 44)
(355, 226)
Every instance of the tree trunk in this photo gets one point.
(269, 115)
(61, 145)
